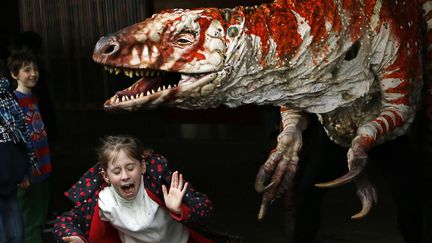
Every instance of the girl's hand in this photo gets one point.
(174, 197)
(73, 239)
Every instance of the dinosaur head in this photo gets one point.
(178, 55)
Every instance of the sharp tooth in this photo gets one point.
(137, 73)
(155, 51)
(131, 97)
(117, 71)
(117, 100)
(141, 95)
(169, 86)
(130, 88)
(106, 68)
(123, 98)
(159, 89)
(148, 93)
(146, 53)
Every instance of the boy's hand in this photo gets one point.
(174, 197)
(73, 239)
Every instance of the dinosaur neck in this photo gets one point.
(292, 48)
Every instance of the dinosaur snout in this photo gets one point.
(106, 46)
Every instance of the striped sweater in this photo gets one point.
(30, 107)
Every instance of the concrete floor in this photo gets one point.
(220, 159)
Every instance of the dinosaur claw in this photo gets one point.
(340, 181)
(261, 178)
(263, 209)
(367, 194)
(356, 168)
(365, 210)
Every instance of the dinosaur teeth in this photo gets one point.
(128, 73)
(148, 93)
(117, 71)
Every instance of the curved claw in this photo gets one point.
(263, 189)
(348, 177)
(265, 172)
(261, 178)
(366, 207)
(356, 168)
(367, 194)
(263, 209)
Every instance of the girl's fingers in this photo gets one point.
(180, 185)
(164, 190)
(183, 191)
(174, 179)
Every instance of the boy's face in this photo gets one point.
(124, 174)
(27, 76)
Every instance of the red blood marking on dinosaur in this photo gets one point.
(389, 121)
(402, 88)
(257, 25)
(194, 53)
(383, 127)
(397, 117)
(400, 101)
(366, 142)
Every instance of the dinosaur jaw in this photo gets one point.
(154, 88)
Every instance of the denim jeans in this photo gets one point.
(11, 223)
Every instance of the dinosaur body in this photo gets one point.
(357, 64)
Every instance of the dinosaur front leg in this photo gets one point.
(281, 166)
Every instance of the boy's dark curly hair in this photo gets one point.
(20, 58)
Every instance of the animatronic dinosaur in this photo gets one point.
(357, 64)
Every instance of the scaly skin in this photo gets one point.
(355, 63)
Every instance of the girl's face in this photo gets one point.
(124, 173)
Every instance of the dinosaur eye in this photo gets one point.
(184, 39)
(232, 31)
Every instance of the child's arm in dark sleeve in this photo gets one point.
(71, 223)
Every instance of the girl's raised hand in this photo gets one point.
(174, 196)
(73, 239)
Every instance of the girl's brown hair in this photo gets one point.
(111, 146)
